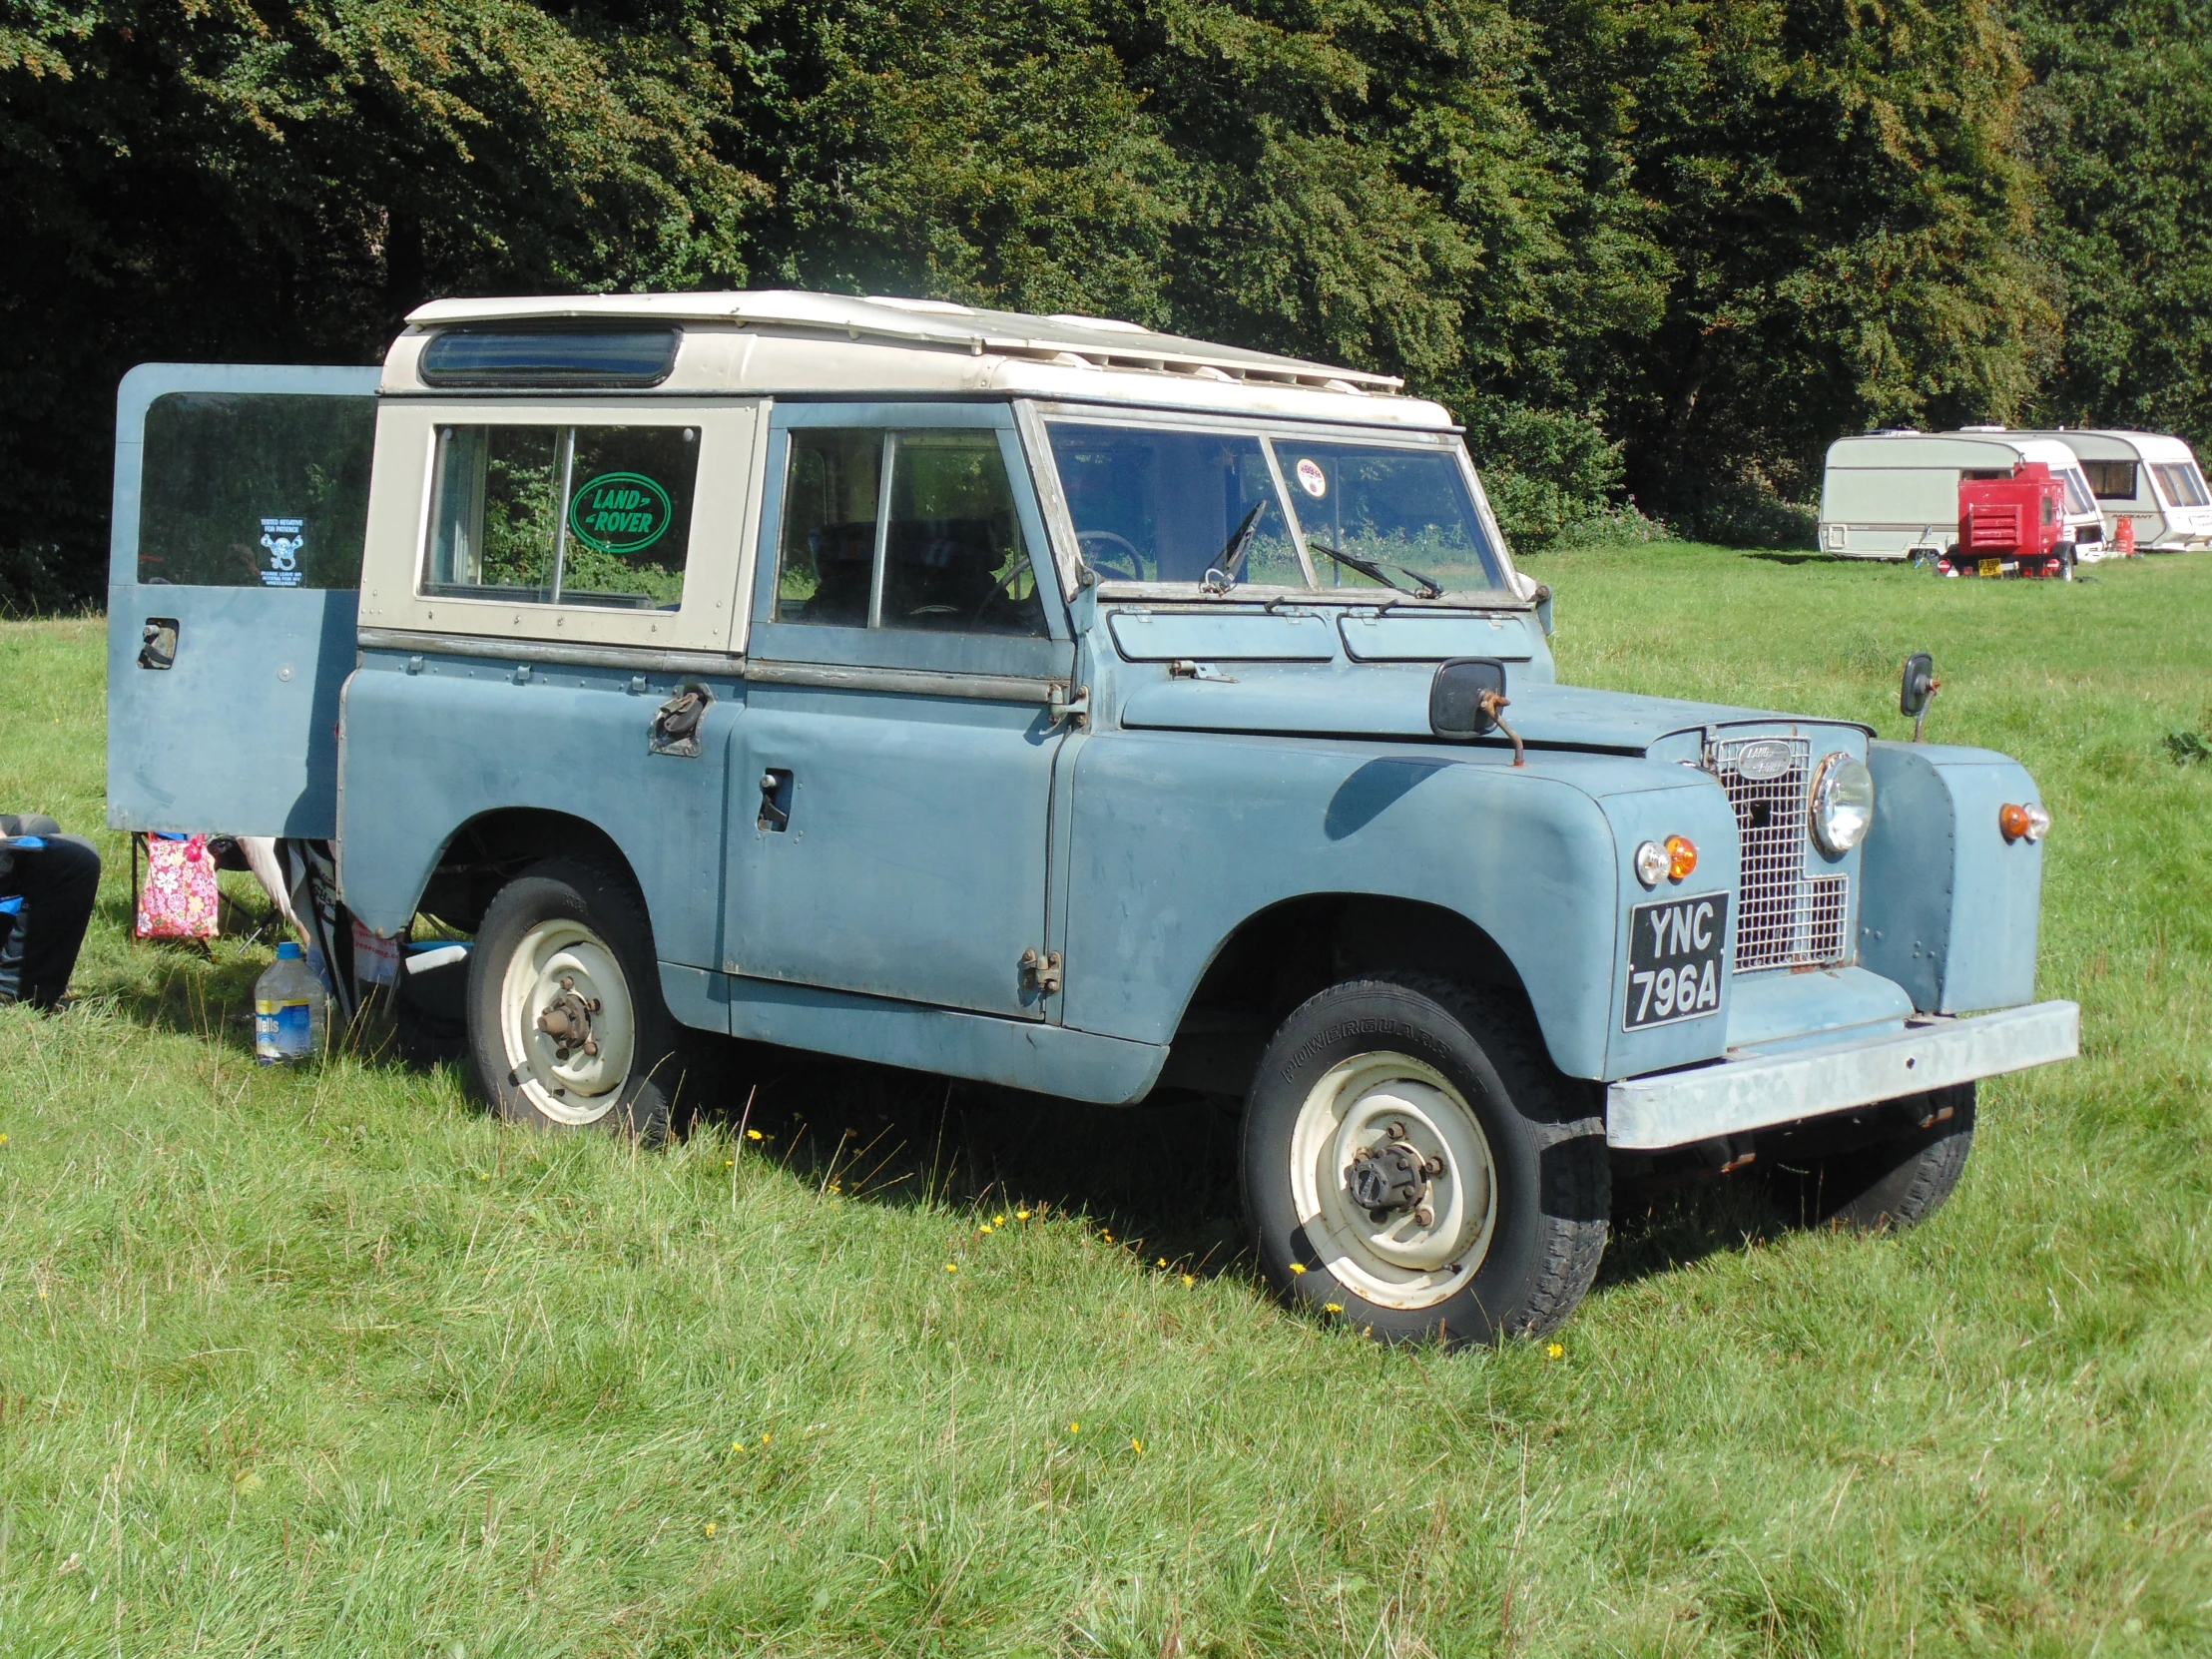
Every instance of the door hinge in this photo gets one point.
(1070, 707)
(1042, 970)
(675, 729)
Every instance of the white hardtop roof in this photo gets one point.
(2107, 440)
(1105, 342)
(1962, 448)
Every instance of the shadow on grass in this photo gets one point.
(1163, 1175)
(1658, 1230)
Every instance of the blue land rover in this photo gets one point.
(1046, 700)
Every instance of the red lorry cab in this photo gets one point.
(2012, 526)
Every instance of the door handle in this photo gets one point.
(777, 785)
(158, 648)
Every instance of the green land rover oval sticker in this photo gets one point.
(620, 512)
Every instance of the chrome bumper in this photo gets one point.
(1728, 1097)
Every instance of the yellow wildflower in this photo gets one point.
(952, 1267)
(1188, 1279)
(751, 1133)
(1021, 1215)
(1163, 1260)
(998, 1221)
(1557, 1350)
(1331, 1307)
(764, 1440)
(1108, 1237)
(1073, 1427)
(1298, 1266)
(982, 1232)
(1135, 1445)
(710, 1530)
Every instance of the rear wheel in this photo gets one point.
(1888, 1182)
(565, 1019)
(1412, 1164)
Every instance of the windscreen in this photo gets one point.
(2181, 483)
(2080, 502)
(1161, 505)
(1156, 505)
(1409, 511)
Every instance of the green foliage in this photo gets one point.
(2117, 125)
(328, 1364)
(1659, 249)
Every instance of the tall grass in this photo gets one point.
(327, 1364)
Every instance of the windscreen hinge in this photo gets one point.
(1070, 707)
(1041, 970)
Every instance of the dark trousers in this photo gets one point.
(56, 885)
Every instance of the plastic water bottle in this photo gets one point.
(290, 1010)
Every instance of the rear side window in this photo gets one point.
(2112, 481)
(907, 530)
(254, 490)
(563, 516)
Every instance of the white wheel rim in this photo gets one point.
(554, 960)
(1396, 1262)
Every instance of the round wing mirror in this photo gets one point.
(1461, 698)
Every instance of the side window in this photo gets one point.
(2112, 481)
(563, 516)
(254, 490)
(940, 549)
(832, 491)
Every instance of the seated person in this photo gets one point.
(48, 881)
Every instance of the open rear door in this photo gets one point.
(234, 584)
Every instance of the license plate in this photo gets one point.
(1674, 960)
(1993, 567)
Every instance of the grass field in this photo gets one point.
(327, 1364)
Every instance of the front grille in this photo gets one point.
(1784, 918)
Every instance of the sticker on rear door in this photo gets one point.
(1674, 960)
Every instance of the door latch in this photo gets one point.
(1041, 971)
(675, 723)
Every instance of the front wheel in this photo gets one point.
(565, 1019)
(1414, 1165)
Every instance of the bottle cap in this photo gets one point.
(288, 952)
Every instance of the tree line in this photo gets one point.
(1655, 254)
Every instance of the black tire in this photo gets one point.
(1890, 1183)
(1545, 1141)
(562, 896)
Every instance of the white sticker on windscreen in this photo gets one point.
(1312, 479)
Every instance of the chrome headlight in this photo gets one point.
(1842, 808)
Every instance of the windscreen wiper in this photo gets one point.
(1379, 573)
(1233, 551)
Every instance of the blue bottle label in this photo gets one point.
(283, 1030)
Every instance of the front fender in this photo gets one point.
(1178, 838)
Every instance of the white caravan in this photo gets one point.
(1887, 495)
(2149, 477)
